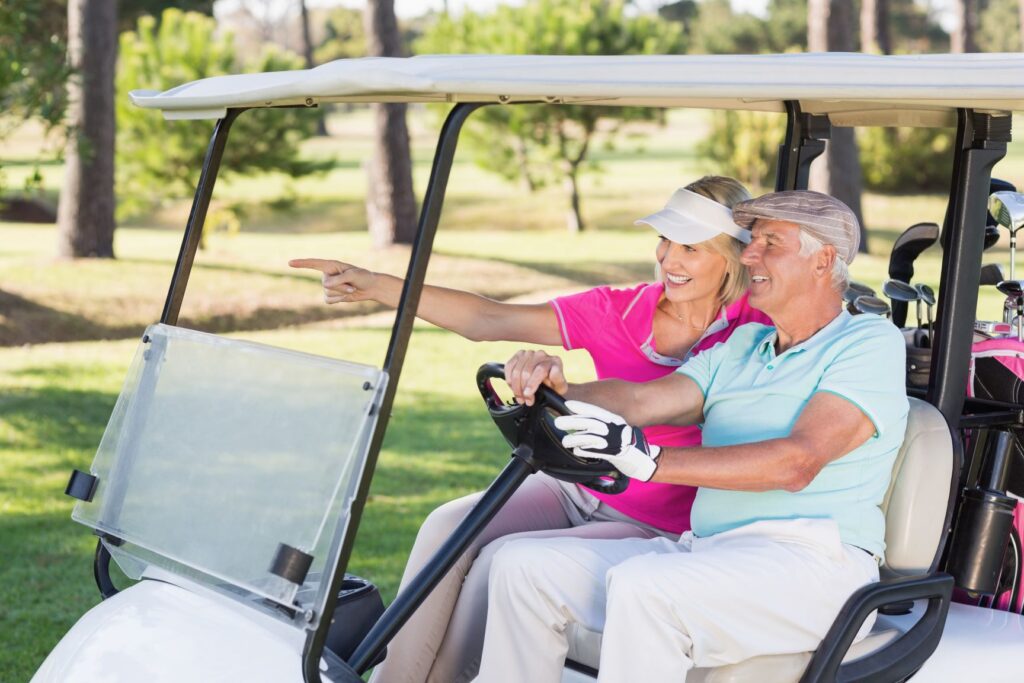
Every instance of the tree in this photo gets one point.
(875, 36)
(345, 37)
(390, 204)
(539, 144)
(963, 37)
(85, 213)
(307, 53)
(837, 172)
(999, 28)
(158, 159)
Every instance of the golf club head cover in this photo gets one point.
(594, 432)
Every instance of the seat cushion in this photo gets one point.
(585, 648)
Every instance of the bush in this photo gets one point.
(906, 159)
(157, 159)
(745, 145)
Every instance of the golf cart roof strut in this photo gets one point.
(197, 217)
(804, 142)
(980, 142)
(430, 214)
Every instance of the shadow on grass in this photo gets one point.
(23, 321)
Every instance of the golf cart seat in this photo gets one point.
(915, 511)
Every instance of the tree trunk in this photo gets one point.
(875, 36)
(571, 163)
(1021, 4)
(837, 171)
(307, 52)
(573, 217)
(963, 37)
(85, 213)
(390, 204)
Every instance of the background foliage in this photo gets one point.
(158, 159)
(541, 144)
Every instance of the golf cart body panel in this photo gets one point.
(851, 88)
(977, 644)
(136, 636)
(974, 93)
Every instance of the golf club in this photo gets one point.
(856, 289)
(1014, 291)
(991, 274)
(905, 250)
(991, 236)
(927, 295)
(870, 304)
(1008, 210)
(901, 292)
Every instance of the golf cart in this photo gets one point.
(236, 509)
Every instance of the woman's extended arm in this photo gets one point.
(473, 316)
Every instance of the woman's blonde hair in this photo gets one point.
(728, 192)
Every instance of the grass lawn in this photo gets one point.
(68, 331)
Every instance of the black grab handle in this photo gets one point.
(898, 659)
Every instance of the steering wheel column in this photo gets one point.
(536, 446)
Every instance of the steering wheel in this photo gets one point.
(534, 426)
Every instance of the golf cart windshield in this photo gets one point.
(233, 464)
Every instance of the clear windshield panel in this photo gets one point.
(219, 451)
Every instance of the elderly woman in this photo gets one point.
(637, 334)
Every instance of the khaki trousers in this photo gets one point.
(770, 587)
(442, 641)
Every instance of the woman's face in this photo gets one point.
(690, 272)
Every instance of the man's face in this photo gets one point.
(778, 272)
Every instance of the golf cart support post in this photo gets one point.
(981, 142)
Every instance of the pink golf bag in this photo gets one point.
(997, 373)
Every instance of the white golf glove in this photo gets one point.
(596, 433)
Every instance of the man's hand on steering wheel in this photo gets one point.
(597, 433)
(527, 370)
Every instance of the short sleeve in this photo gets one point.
(702, 367)
(869, 372)
(583, 318)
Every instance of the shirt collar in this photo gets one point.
(767, 345)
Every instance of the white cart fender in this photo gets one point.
(162, 633)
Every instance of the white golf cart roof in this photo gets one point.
(852, 88)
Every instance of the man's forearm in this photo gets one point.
(614, 395)
(762, 466)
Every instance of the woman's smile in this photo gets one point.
(676, 280)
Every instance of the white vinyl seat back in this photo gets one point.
(915, 504)
(915, 515)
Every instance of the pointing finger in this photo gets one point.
(325, 266)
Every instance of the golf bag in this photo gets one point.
(997, 373)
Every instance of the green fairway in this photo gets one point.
(68, 331)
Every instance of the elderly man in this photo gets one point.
(801, 424)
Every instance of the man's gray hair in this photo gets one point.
(810, 245)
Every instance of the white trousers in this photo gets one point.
(770, 587)
(442, 641)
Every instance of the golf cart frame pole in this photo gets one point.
(179, 280)
(804, 142)
(394, 359)
(197, 217)
(980, 143)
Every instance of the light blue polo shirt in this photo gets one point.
(751, 394)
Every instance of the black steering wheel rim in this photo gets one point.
(534, 426)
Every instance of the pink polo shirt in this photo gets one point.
(615, 327)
